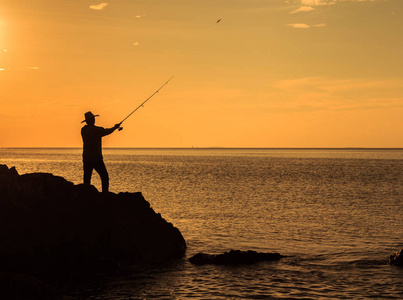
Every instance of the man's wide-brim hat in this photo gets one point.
(89, 116)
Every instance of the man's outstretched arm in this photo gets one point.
(110, 130)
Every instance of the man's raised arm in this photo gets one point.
(110, 130)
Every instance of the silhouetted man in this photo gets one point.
(92, 150)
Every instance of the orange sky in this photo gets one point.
(271, 73)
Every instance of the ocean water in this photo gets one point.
(335, 213)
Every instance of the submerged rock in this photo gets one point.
(49, 224)
(234, 257)
(397, 258)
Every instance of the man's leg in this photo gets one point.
(103, 173)
(88, 167)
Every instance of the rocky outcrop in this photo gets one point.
(233, 257)
(397, 258)
(50, 224)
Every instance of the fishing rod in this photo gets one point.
(142, 104)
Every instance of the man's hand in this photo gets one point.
(117, 126)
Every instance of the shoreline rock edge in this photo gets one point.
(48, 224)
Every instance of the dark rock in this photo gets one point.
(49, 224)
(233, 257)
(397, 258)
(24, 286)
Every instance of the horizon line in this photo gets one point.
(224, 148)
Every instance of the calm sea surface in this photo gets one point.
(336, 214)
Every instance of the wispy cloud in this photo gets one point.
(309, 5)
(305, 26)
(299, 25)
(328, 2)
(333, 85)
(302, 9)
(310, 94)
(19, 69)
(100, 6)
(343, 93)
(317, 2)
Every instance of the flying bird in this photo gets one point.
(219, 20)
